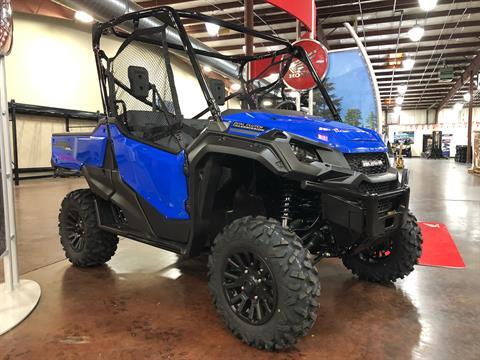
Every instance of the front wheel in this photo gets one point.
(263, 283)
(391, 260)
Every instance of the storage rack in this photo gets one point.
(38, 110)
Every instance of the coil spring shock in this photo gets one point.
(286, 203)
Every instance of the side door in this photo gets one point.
(158, 178)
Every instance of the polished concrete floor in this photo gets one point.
(145, 304)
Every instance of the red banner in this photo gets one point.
(264, 67)
(304, 10)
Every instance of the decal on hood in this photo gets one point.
(246, 126)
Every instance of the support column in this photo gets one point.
(310, 93)
(470, 115)
(298, 99)
(385, 124)
(10, 260)
(248, 22)
(18, 297)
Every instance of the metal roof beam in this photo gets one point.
(345, 36)
(406, 17)
(454, 36)
(433, 57)
(474, 67)
(413, 49)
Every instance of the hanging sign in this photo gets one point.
(298, 76)
(304, 10)
(264, 67)
(6, 27)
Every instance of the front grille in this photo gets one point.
(362, 162)
(384, 206)
(377, 188)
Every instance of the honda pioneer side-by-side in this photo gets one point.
(267, 193)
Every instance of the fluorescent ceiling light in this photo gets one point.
(416, 33)
(467, 97)
(427, 5)
(207, 68)
(235, 87)
(408, 63)
(275, 47)
(399, 100)
(458, 106)
(402, 89)
(83, 17)
(212, 29)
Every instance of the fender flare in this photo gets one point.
(218, 143)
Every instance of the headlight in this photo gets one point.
(304, 154)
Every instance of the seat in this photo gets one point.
(154, 127)
(159, 126)
(145, 124)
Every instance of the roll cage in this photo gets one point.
(135, 26)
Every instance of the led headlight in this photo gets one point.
(304, 154)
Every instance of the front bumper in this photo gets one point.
(362, 213)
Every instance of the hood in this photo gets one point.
(340, 136)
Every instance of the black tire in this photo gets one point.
(293, 281)
(82, 240)
(403, 253)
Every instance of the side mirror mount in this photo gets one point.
(217, 88)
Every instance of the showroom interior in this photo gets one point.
(260, 178)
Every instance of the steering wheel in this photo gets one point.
(286, 105)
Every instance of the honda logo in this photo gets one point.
(371, 163)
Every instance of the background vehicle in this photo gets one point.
(267, 193)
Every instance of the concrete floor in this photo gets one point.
(143, 304)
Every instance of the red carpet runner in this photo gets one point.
(439, 249)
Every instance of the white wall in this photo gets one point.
(52, 64)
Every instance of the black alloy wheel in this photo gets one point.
(249, 287)
(263, 283)
(84, 243)
(392, 260)
(378, 253)
(75, 229)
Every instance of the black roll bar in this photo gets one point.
(175, 16)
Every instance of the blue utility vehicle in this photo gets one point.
(267, 193)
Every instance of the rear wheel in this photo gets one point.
(263, 283)
(391, 260)
(82, 240)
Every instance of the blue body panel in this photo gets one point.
(340, 136)
(158, 176)
(73, 151)
(154, 174)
